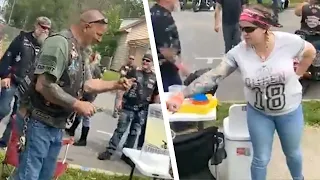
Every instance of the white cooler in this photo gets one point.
(237, 144)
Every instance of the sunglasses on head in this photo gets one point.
(146, 60)
(248, 29)
(101, 21)
(44, 27)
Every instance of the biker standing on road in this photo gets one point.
(62, 76)
(168, 43)
(123, 72)
(135, 104)
(231, 10)
(94, 60)
(14, 63)
(272, 88)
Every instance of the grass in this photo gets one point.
(110, 75)
(77, 174)
(311, 111)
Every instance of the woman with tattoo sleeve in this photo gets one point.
(272, 89)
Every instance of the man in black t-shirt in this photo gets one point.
(231, 10)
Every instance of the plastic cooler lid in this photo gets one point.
(234, 134)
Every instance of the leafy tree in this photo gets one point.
(109, 42)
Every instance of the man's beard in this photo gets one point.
(41, 38)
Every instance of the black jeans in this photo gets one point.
(231, 35)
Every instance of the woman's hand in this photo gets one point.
(174, 103)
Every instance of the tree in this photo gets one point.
(109, 42)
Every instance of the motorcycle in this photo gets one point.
(313, 73)
(183, 4)
(198, 5)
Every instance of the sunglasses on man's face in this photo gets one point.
(131, 59)
(248, 29)
(146, 60)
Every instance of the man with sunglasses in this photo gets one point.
(231, 10)
(16, 61)
(135, 103)
(61, 77)
(123, 72)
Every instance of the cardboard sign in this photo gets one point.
(155, 136)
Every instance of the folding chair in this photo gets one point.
(11, 159)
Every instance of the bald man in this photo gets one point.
(61, 77)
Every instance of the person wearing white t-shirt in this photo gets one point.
(272, 89)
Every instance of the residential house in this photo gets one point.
(134, 40)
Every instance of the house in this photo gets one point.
(134, 40)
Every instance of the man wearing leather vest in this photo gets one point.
(94, 60)
(123, 72)
(135, 103)
(309, 11)
(61, 77)
(14, 64)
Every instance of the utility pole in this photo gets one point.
(14, 3)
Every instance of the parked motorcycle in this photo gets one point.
(313, 73)
(183, 4)
(198, 5)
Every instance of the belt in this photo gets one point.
(37, 114)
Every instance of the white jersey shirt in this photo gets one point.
(271, 86)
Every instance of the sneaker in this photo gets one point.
(80, 143)
(104, 156)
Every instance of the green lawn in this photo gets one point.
(311, 113)
(76, 174)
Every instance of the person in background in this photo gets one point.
(229, 22)
(128, 66)
(94, 60)
(135, 104)
(309, 11)
(167, 42)
(15, 62)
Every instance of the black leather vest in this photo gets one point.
(25, 60)
(140, 95)
(71, 82)
(310, 20)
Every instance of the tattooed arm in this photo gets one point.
(51, 65)
(208, 80)
(52, 92)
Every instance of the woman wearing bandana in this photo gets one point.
(272, 89)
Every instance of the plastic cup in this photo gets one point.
(176, 88)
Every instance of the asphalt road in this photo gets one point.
(102, 127)
(200, 42)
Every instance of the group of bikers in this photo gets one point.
(55, 77)
(265, 60)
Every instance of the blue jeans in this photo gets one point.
(137, 119)
(38, 160)
(6, 97)
(261, 129)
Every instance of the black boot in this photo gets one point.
(71, 131)
(83, 139)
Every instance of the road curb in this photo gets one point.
(89, 169)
